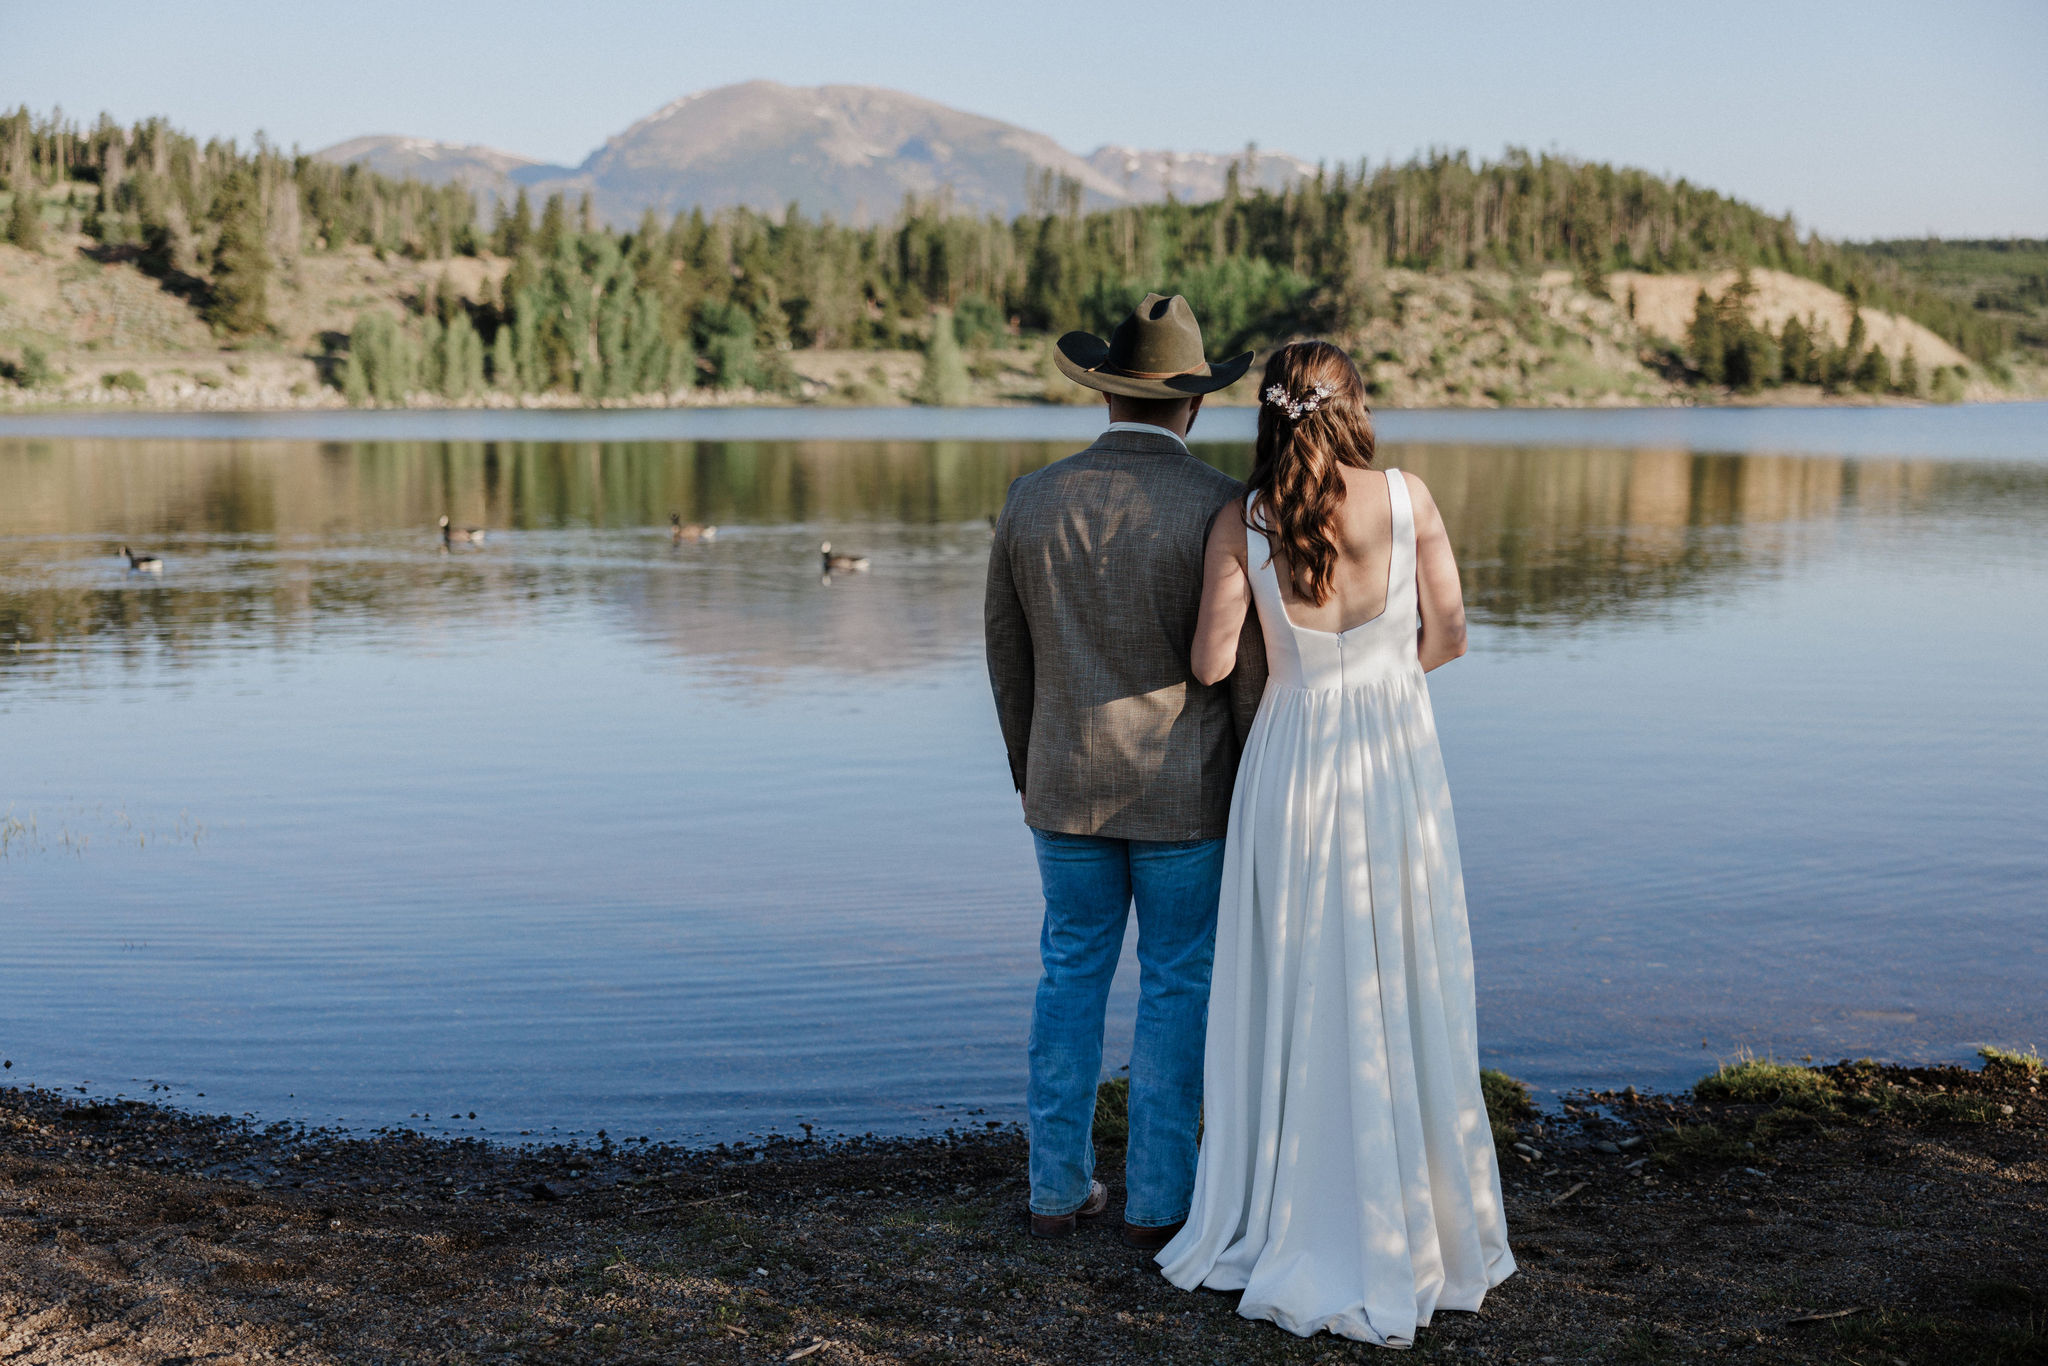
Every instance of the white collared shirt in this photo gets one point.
(1151, 430)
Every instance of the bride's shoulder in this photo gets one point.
(1429, 521)
(1226, 530)
(1419, 495)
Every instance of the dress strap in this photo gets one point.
(1258, 564)
(1401, 593)
(1258, 551)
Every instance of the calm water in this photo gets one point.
(583, 829)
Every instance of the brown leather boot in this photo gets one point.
(1062, 1225)
(1150, 1237)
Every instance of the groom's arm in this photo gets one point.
(1008, 636)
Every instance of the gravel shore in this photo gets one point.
(1867, 1215)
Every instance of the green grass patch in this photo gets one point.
(963, 1218)
(1930, 1106)
(2022, 1067)
(1736, 1141)
(1507, 1101)
(1685, 1147)
(1113, 1113)
(1761, 1081)
(126, 381)
(1866, 1092)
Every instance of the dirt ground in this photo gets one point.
(1905, 1221)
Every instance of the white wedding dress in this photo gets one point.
(1347, 1178)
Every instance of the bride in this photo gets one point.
(1347, 1177)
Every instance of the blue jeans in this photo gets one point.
(1090, 883)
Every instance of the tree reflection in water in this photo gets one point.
(266, 542)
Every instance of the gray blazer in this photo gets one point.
(1094, 583)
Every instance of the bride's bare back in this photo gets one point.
(1364, 533)
(1358, 580)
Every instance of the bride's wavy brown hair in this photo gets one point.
(1295, 464)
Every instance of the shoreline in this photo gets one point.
(1973, 431)
(1855, 1213)
(205, 401)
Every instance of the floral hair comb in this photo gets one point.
(1298, 408)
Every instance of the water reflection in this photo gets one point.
(269, 540)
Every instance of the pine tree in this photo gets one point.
(239, 300)
(945, 382)
(554, 226)
(25, 219)
(614, 339)
(447, 299)
(504, 370)
(1873, 373)
(1907, 380)
(431, 353)
(462, 359)
(682, 367)
(1844, 363)
(355, 383)
(729, 344)
(1703, 337)
(528, 367)
(1795, 352)
(386, 358)
(646, 350)
(519, 229)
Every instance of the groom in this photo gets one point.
(1124, 761)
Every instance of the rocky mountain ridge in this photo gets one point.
(848, 151)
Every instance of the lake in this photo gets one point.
(585, 829)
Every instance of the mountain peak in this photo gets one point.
(853, 152)
(427, 159)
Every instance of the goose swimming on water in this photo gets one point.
(148, 564)
(460, 535)
(680, 530)
(845, 564)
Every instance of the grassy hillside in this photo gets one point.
(2005, 280)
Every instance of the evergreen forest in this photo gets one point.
(716, 298)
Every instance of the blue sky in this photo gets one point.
(1873, 118)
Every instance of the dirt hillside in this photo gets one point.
(1664, 307)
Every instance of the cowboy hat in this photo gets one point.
(1154, 353)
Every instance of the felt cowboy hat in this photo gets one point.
(1154, 353)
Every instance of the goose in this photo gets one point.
(148, 564)
(460, 535)
(680, 530)
(846, 564)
